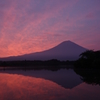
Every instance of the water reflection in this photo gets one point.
(65, 78)
(19, 87)
(90, 76)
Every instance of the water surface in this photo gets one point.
(62, 84)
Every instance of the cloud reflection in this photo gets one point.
(18, 87)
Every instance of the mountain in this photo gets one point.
(66, 50)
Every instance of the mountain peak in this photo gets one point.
(70, 44)
(67, 42)
(67, 50)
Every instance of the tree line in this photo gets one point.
(89, 59)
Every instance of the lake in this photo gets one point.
(62, 84)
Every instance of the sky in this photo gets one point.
(28, 26)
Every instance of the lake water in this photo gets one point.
(63, 84)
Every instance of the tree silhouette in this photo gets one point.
(89, 54)
(89, 58)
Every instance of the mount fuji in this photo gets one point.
(66, 50)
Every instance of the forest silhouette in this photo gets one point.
(89, 59)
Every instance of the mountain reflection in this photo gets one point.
(66, 78)
(19, 87)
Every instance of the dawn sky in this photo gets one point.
(34, 25)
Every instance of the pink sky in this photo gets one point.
(34, 25)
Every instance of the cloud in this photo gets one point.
(33, 25)
(90, 16)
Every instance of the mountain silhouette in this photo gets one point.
(66, 50)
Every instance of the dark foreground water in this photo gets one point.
(63, 84)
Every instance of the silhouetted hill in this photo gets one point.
(67, 50)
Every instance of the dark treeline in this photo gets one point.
(88, 67)
(53, 62)
(26, 68)
(88, 59)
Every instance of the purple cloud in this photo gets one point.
(34, 25)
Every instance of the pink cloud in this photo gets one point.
(33, 26)
(90, 16)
